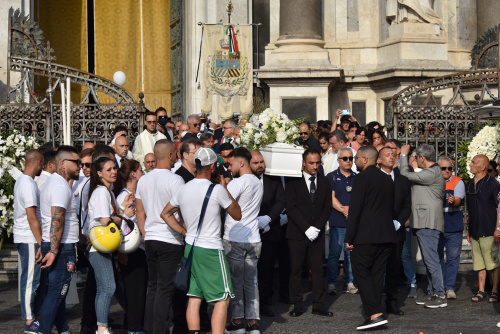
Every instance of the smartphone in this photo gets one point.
(345, 112)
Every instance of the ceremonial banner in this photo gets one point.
(227, 69)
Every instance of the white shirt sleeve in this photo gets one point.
(222, 197)
(30, 197)
(60, 197)
(101, 203)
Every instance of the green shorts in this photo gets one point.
(484, 253)
(210, 278)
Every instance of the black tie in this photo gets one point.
(122, 160)
(312, 188)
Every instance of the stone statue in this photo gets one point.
(411, 11)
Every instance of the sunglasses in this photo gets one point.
(447, 168)
(346, 158)
(87, 164)
(76, 161)
(304, 133)
(196, 124)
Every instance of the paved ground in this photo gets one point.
(461, 316)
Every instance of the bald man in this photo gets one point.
(427, 195)
(88, 145)
(149, 162)
(482, 204)
(121, 149)
(28, 236)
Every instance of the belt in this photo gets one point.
(452, 209)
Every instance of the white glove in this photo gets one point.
(263, 221)
(312, 233)
(266, 229)
(397, 225)
(283, 219)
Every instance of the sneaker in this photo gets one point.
(233, 328)
(331, 289)
(413, 292)
(253, 329)
(436, 302)
(378, 321)
(32, 328)
(450, 294)
(106, 331)
(498, 324)
(350, 288)
(424, 299)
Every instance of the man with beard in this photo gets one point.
(222, 169)
(59, 236)
(163, 120)
(272, 234)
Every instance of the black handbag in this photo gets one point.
(181, 280)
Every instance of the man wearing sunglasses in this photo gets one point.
(194, 126)
(165, 125)
(341, 181)
(145, 142)
(228, 128)
(307, 138)
(427, 195)
(453, 226)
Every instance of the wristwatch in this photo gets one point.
(498, 229)
(403, 155)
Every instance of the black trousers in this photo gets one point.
(315, 253)
(393, 274)
(272, 251)
(135, 280)
(163, 259)
(368, 264)
(89, 318)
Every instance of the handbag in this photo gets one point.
(182, 276)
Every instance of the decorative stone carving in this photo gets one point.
(399, 11)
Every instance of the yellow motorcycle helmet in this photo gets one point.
(106, 239)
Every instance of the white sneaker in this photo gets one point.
(498, 324)
(106, 331)
(450, 294)
(350, 288)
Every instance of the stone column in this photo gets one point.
(300, 19)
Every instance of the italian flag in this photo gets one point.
(233, 44)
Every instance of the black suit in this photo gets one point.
(402, 208)
(370, 229)
(274, 245)
(302, 214)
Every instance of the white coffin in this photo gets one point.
(283, 159)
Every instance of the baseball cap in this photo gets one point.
(205, 156)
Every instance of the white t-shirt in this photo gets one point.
(190, 200)
(81, 194)
(155, 190)
(119, 201)
(26, 195)
(247, 190)
(99, 207)
(40, 181)
(57, 192)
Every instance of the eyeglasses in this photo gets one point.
(86, 164)
(346, 158)
(304, 133)
(76, 161)
(447, 168)
(196, 124)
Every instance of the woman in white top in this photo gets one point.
(133, 266)
(102, 210)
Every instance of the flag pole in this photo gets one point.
(229, 9)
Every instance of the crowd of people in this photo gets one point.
(194, 194)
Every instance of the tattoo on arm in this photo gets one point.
(172, 211)
(56, 228)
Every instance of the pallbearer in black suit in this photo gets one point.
(370, 232)
(402, 208)
(308, 206)
(274, 245)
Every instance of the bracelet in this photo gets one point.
(53, 252)
(122, 208)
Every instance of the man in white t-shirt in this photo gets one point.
(28, 237)
(49, 167)
(59, 238)
(164, 246)
(210, 279)
(242, 242)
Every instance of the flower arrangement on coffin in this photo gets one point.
(13, 148)
(274, 134)
(487, 142)
(267, 128)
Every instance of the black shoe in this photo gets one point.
(296, 313)
(378, 321)
(266, 311)
(87, 329)
(394, 309)
(322, 313)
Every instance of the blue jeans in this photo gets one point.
(105, 280)
(407, 259)
(337, 236)
(453, 243)
(54, 282)
(428, 241)
(29, 280)
(242, 259)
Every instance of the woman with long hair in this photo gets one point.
(360, 138)
(377, 137)
(326, 148)
(102, 210)
(133, 266)
(351, 135)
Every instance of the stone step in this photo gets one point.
(8, 275)
(8, 250)
(8, 262)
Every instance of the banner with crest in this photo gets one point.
(227, 70)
